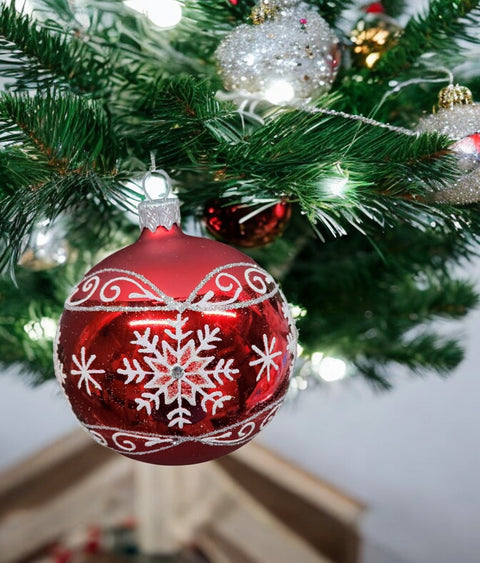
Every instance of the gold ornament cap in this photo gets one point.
(454, 95)
(267, 9)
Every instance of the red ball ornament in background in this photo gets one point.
(244, 225)
(175, 349)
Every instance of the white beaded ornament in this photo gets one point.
(289, 56)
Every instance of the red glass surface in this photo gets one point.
(176, 349)
(225, 223)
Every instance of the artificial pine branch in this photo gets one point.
(36, 57)
(74, 150)
(182, 121)
(331, 11)
(362, 300)
(69, 132)
(437, 31)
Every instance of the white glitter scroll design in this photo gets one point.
(143, 443)
(256, 280)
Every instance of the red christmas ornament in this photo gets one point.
(244, 226)
(176, 349)
(374, 8)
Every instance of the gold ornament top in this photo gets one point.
(451, 96)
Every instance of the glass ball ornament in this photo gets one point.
(459, 118)
(176, 349)
(245, 225)
(290, 56)
(46, 247)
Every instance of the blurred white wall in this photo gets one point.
(30, 417)
(412, 455)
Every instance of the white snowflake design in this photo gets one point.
(84, 370)
(266, 357)
(181, 372)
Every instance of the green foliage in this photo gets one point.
(374, 305)
(24, 340)
(91, 96)
(60, 154)
(33, 56)
(439, 30)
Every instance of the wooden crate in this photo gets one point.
(249, 507)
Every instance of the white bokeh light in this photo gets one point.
(328, 368)
(44, 329)
(279, 92)
(164, 13)
(337, 186)
(156, 186)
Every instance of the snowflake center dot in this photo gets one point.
(177, 372)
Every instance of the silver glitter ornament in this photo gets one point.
(290, 57)
(460, 120)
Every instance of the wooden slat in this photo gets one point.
(25, 530)
(243, 526)
(42, 460)
(322, 516)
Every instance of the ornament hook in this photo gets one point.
(150, 185)
(155, 190)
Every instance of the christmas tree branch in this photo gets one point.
(437, 31)
(74, 152)
(36, 57)
(69, 132)
(370, 296)
(393, 297)
(332, 10)
(27, 323)
(337, 168)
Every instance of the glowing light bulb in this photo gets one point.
(298, 312)
(317, 358)
(337, 186)
(279, 92)
(166, 13)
